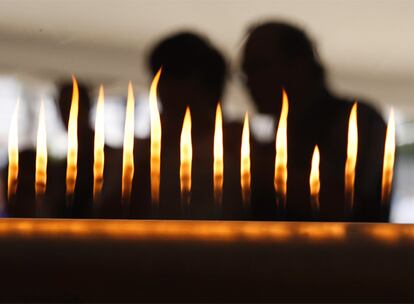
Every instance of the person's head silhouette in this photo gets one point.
(193, 74)
(277, 55)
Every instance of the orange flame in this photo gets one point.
(218, 157)
(314, 181)
(13, 154)
(352, 151)
(128, 157)
(41, 155)
(280, 179)
(155, 140)
(99, 145)
(245, 162)
(72, 157)
(389, 154)
(186, 157)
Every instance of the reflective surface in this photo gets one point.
(213, 231)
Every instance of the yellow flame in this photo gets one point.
(13, 153)
(155, 140)
(41, 154)
(245, 162)
(352, 151)
(99, 145)
(218, 157)
(72, 157)
(389, 154)
(186, 157)
(280, 179)
(128, 157)
(314, 181)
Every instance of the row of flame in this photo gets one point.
(280, 173)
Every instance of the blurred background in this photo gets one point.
(366, 46)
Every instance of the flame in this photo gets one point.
(218, 157)
(389, 154)
(41, 154)
(245, 162)
(280, 180)
(351, 159)
(314, 181)
(99, 144)
(155, 140)
(186, 157)
(13, 154)
(128, 157)
(72, 157)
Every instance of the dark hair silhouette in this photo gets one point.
(293, 43)
(189, 56)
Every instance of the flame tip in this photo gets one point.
(245, 175)
(352, 155)
(186, 156)
(281, 172)
(99, 146)
(130, 86)
(155, 139)
(389, 158)
(72, 157)
(314, 180)
(13, 153)
(128, 148)
(187, 112)
(41, 154)
(218, 156)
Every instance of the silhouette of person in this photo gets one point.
(193, 74)
(278, 55)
